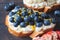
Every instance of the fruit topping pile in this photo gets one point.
(23, 16)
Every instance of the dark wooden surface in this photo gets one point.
(4, 34)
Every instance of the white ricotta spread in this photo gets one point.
(43, 27)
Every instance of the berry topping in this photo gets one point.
(17, 7)
(11, 13)
(54, 20)
(24, 17)
(32, 15)
(27, 18)
(44, 15)
(36, 14)
(15, 10)
(11, 19)
(9, 6)
(24, 13)
(46, 22)
(57, 13)
(16, 24)
(39, 24)
(23, 24)
(19, 19)
(36, 18)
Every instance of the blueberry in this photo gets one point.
(27, 18)
(36, 18)
(53, 20)
(39, 24)
(17, 7)
(36, 14)
(57, 13)
(24, 13)
(9, 6)
(46, 22)
(23, 24)
(19, 19)
(11, 14)
(16, 24)
(11, 19)
(44, 15)
(32, 15)
(15, 10)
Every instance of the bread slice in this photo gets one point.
(14, 32)
(37, 5)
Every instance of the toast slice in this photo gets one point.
(14, 32)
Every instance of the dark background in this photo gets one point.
(4, 34)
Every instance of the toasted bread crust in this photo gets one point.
(6, 21)
(13, 32)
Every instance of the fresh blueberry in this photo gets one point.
(36, 18)
(11, 13)
(27, 18)
(54, 20)
(57, 13)
(9, 6)
(39, 24)
(11, 19)
(24, 13)
(44, 15)
(19, 19)
(17, 7)
(16, 24)
(46, 22)
(32, 15)
(36, 14)
(23, 24)
(15, 10)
